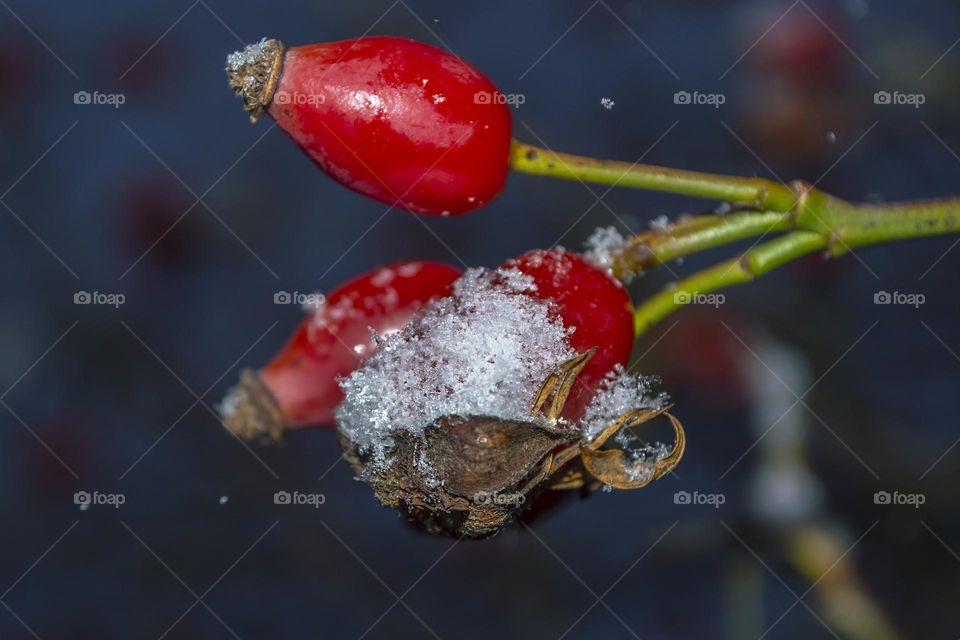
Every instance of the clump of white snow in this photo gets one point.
(619, 393)
(485, 350)
(603, 245)
(248, 54)
(607, 103)
(660, 224)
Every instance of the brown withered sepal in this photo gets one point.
(483, 472)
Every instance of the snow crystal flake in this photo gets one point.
(661, 224)
(619, 393)
(603, 245)
(248, 55)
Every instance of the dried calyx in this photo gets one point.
(458, 421)
(251, 411)
(254, 72)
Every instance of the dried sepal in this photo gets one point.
(559, 384)
(465, 476)
(254, 74)
(252, 412)
(481, 454)
(611, 466)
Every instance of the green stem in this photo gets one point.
(691, 235)
(754, 263)
(851, 225)
(820, 223)
(757, 193)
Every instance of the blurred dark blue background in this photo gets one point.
(118, 400)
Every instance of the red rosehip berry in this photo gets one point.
(594, 304)
(400, 121)
(506, 388)
(298, 387)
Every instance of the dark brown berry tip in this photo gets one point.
(254, 72)
(250, 410)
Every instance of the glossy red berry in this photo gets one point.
(591, 302)
(485, 394)
(298, 387)
(400, 121)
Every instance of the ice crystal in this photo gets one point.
(660, 224)
(246, 59)
(619, 393)
(248, 55)
(603, 245)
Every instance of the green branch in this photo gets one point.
(754, 263)
(757, 193)
(691, 235)
(820, 223)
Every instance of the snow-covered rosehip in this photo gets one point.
(505, 388)
(397, 120)
(298, 387)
